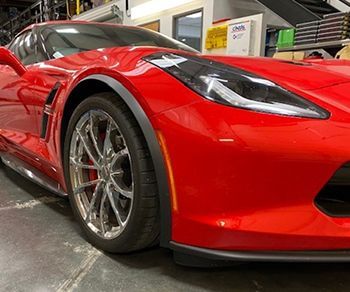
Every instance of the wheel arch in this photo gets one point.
(102, 83)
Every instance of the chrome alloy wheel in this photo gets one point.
(101, 174)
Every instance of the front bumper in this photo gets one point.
(247, 181)
(196, 256)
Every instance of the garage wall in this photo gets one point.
(166, 17)
(241, 8)
(213, 10)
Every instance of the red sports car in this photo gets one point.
(215, 157)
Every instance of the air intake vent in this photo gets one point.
(334, 198)
(47, 110)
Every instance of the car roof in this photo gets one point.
(62, 22)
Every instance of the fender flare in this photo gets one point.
(155, 150)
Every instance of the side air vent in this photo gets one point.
(47, 112)
(334, 198)
(52, 93)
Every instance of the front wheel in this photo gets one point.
(110, 176)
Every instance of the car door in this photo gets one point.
(17, 113)
(22, 99)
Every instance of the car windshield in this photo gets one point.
(65, 39)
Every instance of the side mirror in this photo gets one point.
(10, 59)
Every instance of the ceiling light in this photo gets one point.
(155, 6)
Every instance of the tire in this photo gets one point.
(142, 225)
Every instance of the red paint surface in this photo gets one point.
(244, 180)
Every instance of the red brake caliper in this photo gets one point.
(92, 172)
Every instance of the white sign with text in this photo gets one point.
(239, 38)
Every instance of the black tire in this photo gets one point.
(142, 229)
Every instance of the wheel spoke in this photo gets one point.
(93, 137)
(85, 185)
(122, 152)
(101, 213)
(114, 208)
(107, 145)
(119, 154)
(93, 201)
(82, 165)
(117, 172)
(85, 140)
(126, 193)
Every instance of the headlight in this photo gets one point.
(230, 86)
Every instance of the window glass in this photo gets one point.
(188, 29)
(24, 48)
(66, 39)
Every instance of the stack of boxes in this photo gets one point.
(306, 33)
(332, 27)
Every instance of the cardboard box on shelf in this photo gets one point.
(297, 56)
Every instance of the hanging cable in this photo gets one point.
(68, 10)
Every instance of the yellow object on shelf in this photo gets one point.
(78, 7)
(344, 53)
(216, 37)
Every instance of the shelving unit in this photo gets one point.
(322, 45)
(102, 13)
(38, 12)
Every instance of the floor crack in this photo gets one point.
(80, 272)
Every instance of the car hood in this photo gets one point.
(307, 75)
(298, 75)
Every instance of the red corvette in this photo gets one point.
(220, 158)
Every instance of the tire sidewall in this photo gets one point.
(96, 102)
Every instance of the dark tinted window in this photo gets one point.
(24, 48)
(66, 39)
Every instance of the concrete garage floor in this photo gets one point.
(42, 249)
